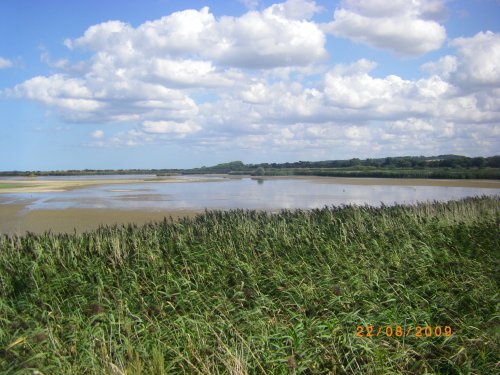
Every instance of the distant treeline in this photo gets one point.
(441, 161)
(87, 172)
(442, 166)
(437, 173)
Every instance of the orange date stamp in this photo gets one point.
(400, 331)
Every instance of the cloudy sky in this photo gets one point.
(165, 84)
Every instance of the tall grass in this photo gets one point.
(430, 173)
(252, 292)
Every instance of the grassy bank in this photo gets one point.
(12, 186)
(247, 291)
(428, 173)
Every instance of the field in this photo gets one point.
(429, 173)
(254, 292)
(12, 185)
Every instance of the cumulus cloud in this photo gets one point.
(406, 28)
(475, 64)
(266, 39)
(479, 56)
(256, 94)
(258, 82)
(351, 107)
(150, 72)
(164, 127)
(93, 98)
(444, 67)
(5, 63)
(356, 89)
(66, 93)
(188, 73)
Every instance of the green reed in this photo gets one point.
(254, 292)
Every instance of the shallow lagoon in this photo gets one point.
(231, 193)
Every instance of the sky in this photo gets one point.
(179, 84)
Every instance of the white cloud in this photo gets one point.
(356, 89)
(479, 56)
(150, 72)
(142, 74)
(106, 98)
(97, 134)
(265, 40)
(256, 94)
(255, 40)
(411, 125)
(443, 67)
(188, 73)
(406, 28)
(295, 9)
(68, 94)
(102, 36)
(5, 63)
(356, 132)
(475, 64)
(182, 78)
(433, 88)
(352, 107)
(164, 127)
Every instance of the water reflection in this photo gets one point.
(240, 193)
(260, 181)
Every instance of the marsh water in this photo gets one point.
(232, 193)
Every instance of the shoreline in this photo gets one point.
(47, 186)
(481, 184)
(15, 219)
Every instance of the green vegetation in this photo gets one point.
(254, 292)
(436, 173)
(442, 166)
(8, 185)
(260, 172)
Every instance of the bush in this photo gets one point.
(260, 172)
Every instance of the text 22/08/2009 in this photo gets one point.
(399, 331)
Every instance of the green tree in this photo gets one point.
(260, 171)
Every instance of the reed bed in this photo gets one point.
(253, 292)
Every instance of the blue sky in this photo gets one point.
(166, 84)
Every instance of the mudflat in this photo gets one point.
(14, 219)
(40, 186)
(45, 186)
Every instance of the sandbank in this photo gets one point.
(46, 186)
(15, 219)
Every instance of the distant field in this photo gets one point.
(254, 292)
(427, 173)
(12, 186)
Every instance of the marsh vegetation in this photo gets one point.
(252, 292)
